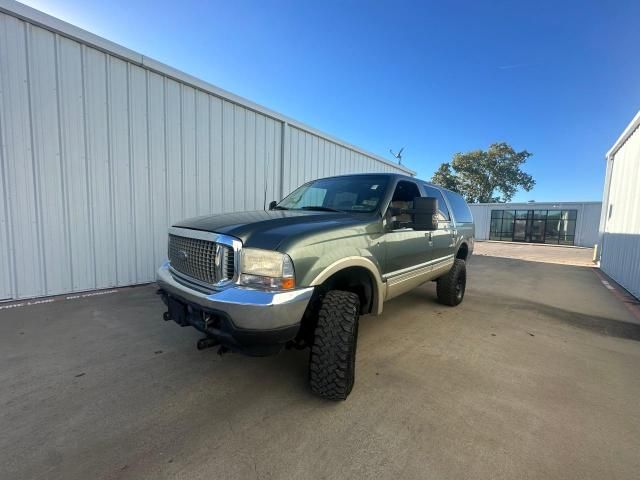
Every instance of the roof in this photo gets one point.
(533, 204)
(635, 123)
(380, 174)
(393, 175)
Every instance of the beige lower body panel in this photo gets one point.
(401, 282)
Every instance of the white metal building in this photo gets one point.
(102, 148)
(560, 223)
(620, 222)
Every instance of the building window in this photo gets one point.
(536, 226)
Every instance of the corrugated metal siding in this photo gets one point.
(620, 256)
(309, 156)
(586, 224)
(481, 219)
(621, 259)
(99, 154)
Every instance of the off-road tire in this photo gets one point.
(333, 353)
(451, 287)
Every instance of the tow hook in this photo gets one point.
(206, 342)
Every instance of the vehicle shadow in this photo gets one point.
(598, 324)
(426, 296)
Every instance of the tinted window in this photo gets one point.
(443, 211)
(539, 226)
(502, 225)
(405, 192)
(403, 197)
(461, 212)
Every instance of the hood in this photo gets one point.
(267, 229)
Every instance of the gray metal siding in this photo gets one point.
(620, 255)
(18, 161)
(309, 156)
(587, 225)
(102, 149)
(621, 259)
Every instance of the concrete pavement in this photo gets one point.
(535, 375)
(536, 252)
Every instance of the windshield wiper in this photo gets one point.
(320, 208)
(278, 207)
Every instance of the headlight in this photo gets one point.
(266, 269)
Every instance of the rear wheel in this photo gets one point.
(451, 287)
(333, 353)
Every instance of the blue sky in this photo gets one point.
(560, 79)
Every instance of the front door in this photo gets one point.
(538, 220)
(404, 247)
(408, 252)
(529, 226)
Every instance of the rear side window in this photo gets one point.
(443, 211)
(461, 212)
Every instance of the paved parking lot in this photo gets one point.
(536, 252)
(535, 375)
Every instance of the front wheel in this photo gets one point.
(451, 286)
(332, 362)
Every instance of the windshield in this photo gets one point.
(360, 193)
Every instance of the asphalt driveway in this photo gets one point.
(535, 375)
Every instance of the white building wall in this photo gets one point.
(586, 222)
(620, 226)
(102, 149)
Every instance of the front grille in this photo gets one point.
(197, 258)
(228, 263)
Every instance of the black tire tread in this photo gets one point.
(332, 359)
(446, 284)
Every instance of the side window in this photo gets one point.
(443, 211)
(404, 194)
(403, 197)
(461, 212)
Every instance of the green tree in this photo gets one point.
(492, 175)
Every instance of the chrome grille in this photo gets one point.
(228, 263)
(197, 258)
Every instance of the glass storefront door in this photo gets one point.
(537, 226)
(520, 226)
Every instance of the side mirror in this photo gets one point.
(425, 214)
(272, 204)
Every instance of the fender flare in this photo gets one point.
(379, 288)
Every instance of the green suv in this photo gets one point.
(300, 274)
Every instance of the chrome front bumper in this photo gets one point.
(247, 309)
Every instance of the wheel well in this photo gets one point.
(353, 279)
(463, 252)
